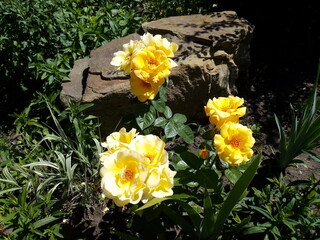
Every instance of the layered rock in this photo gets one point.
(213, 54)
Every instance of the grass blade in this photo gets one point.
(234, 195)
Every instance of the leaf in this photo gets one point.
(167, 112)
(253, 230)
(8, 176)
(160, 122)
(42, 163)
(44, 221)
(208, 135)
(207, 223)
(283, 161)
(152, 202)
(191, 159)
(22, 198)
(192, 211)
(233, 174)
(179, 118)
(235, 194)
(208, 178)
(145, 121)
(177, 219)
(264, 212)
(171, 129)
(83, 107)
(182, 196)
(290, 224)
(9, 190)
(159, 105)
(181, 165)
(162, 92)
(312, 155)
(186, 133)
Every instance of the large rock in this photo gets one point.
(213, 54)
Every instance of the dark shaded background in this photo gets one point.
(286, 41)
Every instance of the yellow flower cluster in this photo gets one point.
(148, 62)
(234, 142)
(135, 168)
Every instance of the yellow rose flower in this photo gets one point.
(152, 148)
(151, 65)
(224, 109)
(123, 177)
(142, 89)
(121, 139)
(159, 183)
(160, 43)
(234, 143)
(122, 59)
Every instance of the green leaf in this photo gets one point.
(276, 233)
(162, 93)
(192, 210)
(179, 118)
(9, 190)
(191, 159)
(234, 195)
(8, 176)
(42, 163)
(152, 202)
(182, 196)
(290, 224)
(208, 178)
(186, 133)
(264, 212)
(283, 161)
(207, 223)
(167, 112)
(233, 174)
(181, 165)
(208, 135)
(145, 121)
(159, 105)
(83, 107)
(22, 198)
(171, 129)
(160, 122)
(254, 230)
(178, 219)
(312, 155)
(44, 221)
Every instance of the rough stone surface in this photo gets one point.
(213, 54)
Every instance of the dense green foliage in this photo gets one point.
(40, 40)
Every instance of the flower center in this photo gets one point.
(152, 62)
(235, 143)
(226, 108)
(127, 175)
(146, 85)
(128, 56)
(150, 157)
